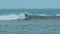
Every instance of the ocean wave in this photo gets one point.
(22, 16)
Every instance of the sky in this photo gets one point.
(29, 4)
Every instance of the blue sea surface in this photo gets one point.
(10, 23)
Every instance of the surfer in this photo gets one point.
(26, 16)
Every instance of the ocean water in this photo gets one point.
(12, 21)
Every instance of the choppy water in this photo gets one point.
(12, 21)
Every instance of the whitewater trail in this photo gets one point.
(12, 17)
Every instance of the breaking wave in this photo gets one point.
(22, 16)
(11, 17)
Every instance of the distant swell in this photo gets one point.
(44, 16)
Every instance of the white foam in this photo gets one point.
(43, 15)
(12, 17)
(57, 14)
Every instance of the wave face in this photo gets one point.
(13, 14)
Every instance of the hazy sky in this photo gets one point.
(39, 4)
